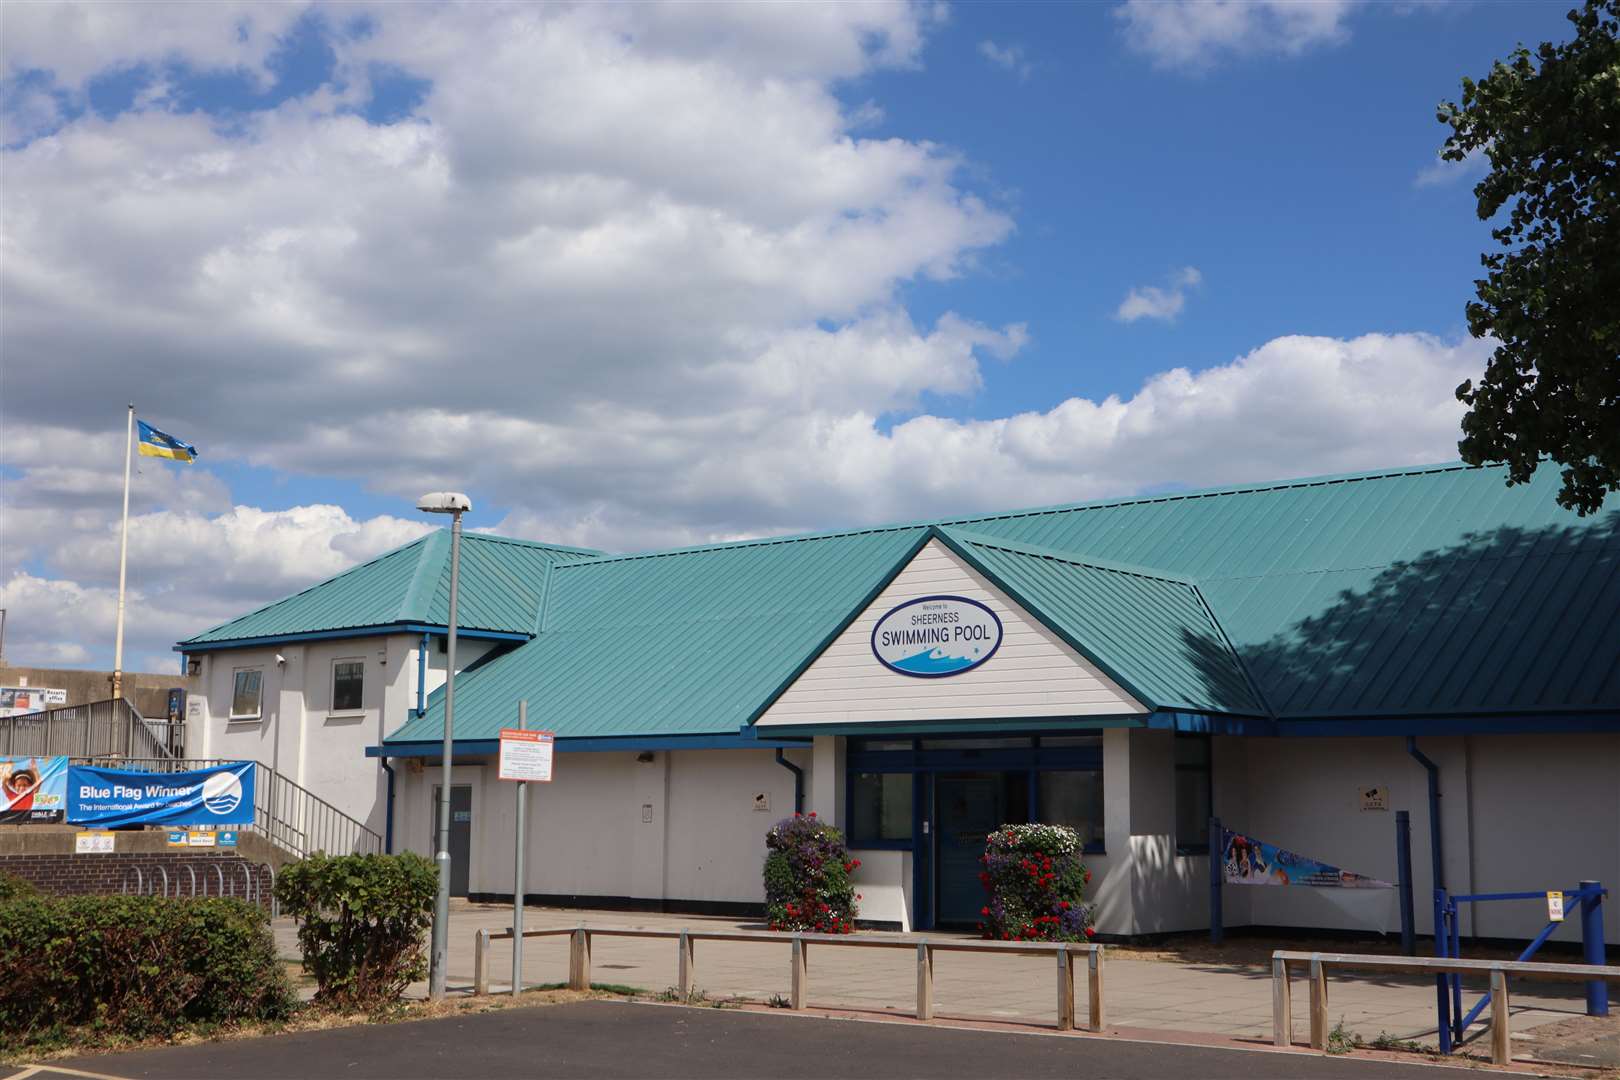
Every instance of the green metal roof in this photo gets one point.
(502, 583)
(1153, 635)
(1426, 591)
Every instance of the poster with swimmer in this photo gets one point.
(33, 790)
(1254, 862)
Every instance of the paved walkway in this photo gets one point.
(1233, 1000)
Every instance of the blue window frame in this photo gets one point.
(1065, 781)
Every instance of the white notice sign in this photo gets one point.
(1555, 907)
(526, 755)
(93, 843)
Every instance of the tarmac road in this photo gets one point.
(616, 1039)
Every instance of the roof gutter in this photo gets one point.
(798, 781)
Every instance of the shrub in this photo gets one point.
(134, 966)
(807, 884)
(1037, 885)
(12, 887)
(362, 921)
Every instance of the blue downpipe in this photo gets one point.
(388, 826)
(1441, 998)
(798, 780)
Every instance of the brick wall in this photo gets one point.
(188, 873)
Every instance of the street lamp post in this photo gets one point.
(455, 504)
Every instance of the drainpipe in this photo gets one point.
(1435, 851)
(388, 829)
(421, 676)
(798, 780)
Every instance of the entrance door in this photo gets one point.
(460, 833)
(967, 809)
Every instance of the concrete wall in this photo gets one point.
(149, 691)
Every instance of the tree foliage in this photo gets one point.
(1548, 121)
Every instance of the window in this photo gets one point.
(1073, 797)
(880, 808)
(348, 680)
(1194, 795)
(245, 694)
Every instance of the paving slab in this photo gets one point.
(1222, 999)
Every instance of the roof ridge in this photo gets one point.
(497, 538)
(1018, 547)
(355, 569)
(1037, 511)
(423, 582)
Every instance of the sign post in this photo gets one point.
(525, 755)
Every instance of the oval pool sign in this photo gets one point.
(936, 636)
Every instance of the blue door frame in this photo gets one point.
(925, 766)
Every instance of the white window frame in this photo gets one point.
(236, 674)
(333, 710)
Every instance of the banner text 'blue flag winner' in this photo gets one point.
(1255, 862)
(219, 795)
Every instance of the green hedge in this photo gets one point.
(12, 887)
(135, 966)
(362, 923)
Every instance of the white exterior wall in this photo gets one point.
(1032, 674)
(297, 734)
(1520, 813)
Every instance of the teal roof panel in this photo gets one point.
(1153, 635)
(502, 582)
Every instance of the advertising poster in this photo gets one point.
(1254, 862)
(220, 795)
(33, 790)
(21, 700)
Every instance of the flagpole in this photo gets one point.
(123, 557)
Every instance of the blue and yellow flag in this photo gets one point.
(155, 443)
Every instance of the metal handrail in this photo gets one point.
(113, 728)
(579, 960)
(1318, 964)
(287, 814)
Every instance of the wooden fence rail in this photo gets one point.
(1317, 965)
(579, 960)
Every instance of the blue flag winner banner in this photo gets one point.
(1255, 862)
(221, 795)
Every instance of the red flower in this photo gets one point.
(857, 896)
(1064, 904)
(812, 813)
(1091, 932)
(1088, 877)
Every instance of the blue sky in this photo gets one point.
(643, 275)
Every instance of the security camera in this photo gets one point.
(281, 660)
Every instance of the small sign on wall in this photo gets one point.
(762, 801)
(1375, 797)
(1555, 907)
(93, 843)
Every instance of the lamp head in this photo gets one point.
(444, 502)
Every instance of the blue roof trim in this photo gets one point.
(1523, 724)
(476, 747)
(356, 631)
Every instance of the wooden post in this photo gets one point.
(1282, 1005)
(1065, 990)
(1501, 1048)
(1094, 987)
(579, 960)
(481, 962)
(1319, 1028)
(925, 981)
(800, 976)
(686, 967)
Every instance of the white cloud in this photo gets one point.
(1152, 302)
(631, 271)
(1196, 35)
(1011, 57)
(1443, 173)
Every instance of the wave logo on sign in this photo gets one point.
(222, 793)
(935, 636)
